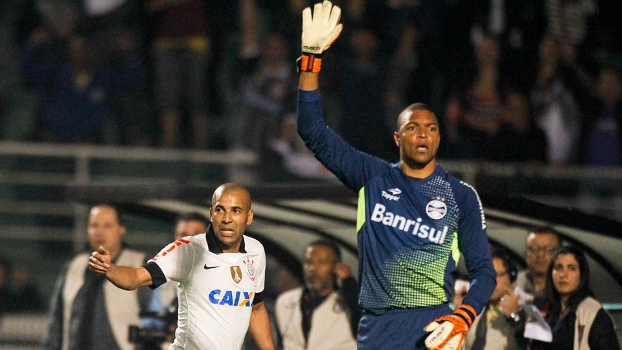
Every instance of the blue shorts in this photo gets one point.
(398, 328)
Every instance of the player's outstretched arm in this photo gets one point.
(260, 327)
(124, 277)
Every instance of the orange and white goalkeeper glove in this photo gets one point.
(448, 331)
(319, 31)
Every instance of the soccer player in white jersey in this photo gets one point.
(220, 273)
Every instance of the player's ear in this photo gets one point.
(250, 217)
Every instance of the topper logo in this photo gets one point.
(393, 196)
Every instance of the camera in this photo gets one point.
(157, 328)
(149, 338)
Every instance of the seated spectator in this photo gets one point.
(577, 319)
(540, 245)
(501, 324)
(26, 296)
(17, 292)
(323, 314)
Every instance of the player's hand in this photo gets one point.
(99, 261)
(319, 31)
(342, 271)
(448, 331)
(509, 303)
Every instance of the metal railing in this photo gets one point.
(32, 176)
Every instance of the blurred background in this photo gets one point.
(152, 104)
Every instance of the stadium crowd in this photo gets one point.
(526, 81)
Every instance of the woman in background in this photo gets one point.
(577, 319)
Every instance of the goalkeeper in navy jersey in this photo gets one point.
(414, 218)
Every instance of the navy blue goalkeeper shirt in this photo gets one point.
(411, 232)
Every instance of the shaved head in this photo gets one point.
(405, 115)
(230, 188)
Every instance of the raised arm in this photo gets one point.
(260, 327)
(124, 277)
(308, 81)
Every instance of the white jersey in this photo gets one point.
(216, 290)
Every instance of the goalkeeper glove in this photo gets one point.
(448, 331)
(319, 31)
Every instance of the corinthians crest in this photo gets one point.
(250, 268)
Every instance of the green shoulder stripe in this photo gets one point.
(360, 212)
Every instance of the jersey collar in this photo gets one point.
(213, 245)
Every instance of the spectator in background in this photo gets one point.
(603, 136)
(363, 80)
(602, 140)
(322, 315)
(106, 22)
(17, 120)
(578, 321)
(404, 61)
(555, 106)
(519, 139)
(17, 293)
(267, 84)
(180, 48)
(81, 297)
(540, 244)
(501, 324)
(473, 114)
(516, 25)
(190, 224)
(5, 289)
(118, 27)
(567, 20)
(26, 295)
(288, 159)
(77, 95)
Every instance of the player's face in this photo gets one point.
(418, 138)
(504, 283)
(231, 213)
(189, 228)
(318, 269)
(104, 229)
(539, 249)
(566, 274)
